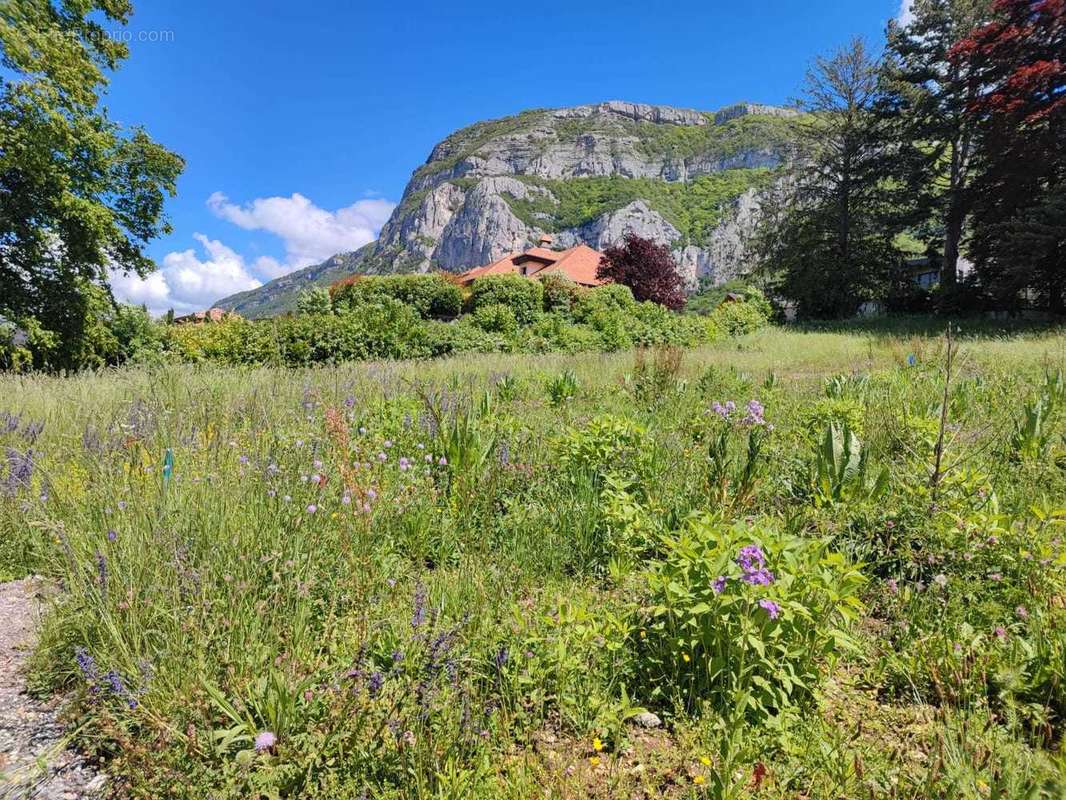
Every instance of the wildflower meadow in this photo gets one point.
(795, 564)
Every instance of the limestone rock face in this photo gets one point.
(590, 174)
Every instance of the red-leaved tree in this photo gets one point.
(648, 269)
(1018, 65)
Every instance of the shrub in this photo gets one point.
(523, 296)
(496, 318)
(745, 618)
(739, 318)
(560, 294)
(612, 297)
(431, 296)
(314, 300)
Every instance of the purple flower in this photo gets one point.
(442, 461)
(112, 536)
(724, 410)
(718, 585)
(87, 665)
(265, 741)
(758, 577)
(374, 684)
(771, 608)
(751, 558)
(243, 459)
(755, 414)
(419, 615)
(1001, 633)
(893, 585)
(1022, 612)
(501, 658)
(311, 509)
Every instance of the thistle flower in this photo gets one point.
(1022, 612)
(265, 741)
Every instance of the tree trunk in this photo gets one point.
(949, 269)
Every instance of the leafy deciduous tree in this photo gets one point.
(647, 268)
(79, 196)
(1017, 64)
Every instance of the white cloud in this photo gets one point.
(187, 281)
(906, 12)
(311, 234)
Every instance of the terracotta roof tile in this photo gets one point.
(578, 263)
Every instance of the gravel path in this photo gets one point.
(34, 760)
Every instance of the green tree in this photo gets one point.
(925, 94)
(825, 241)
(1018, 67)
(80, 197)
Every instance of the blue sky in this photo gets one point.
(301, 122)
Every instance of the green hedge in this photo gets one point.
(432, 296)
(523, 296)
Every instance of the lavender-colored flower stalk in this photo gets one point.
(419, 615)
(719, 583)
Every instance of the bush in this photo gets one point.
(612, 297)
(431, 296)
(739, 318)
(496, 318)
(745, 618)
(560, 294)
(523, 296)
(314, 300)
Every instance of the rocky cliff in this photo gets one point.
(589, 174)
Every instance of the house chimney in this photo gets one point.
(546, 241)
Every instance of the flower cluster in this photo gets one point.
(752, 562)
(753, 417)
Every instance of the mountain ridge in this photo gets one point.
(590, 173)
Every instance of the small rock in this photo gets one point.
(647, 719)
(96, 784)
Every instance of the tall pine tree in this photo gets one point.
(925, 96)
(826, 244)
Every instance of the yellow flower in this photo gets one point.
(643, 634)
(685, 657)
(597, 745)
(699, 780)
(595, 761)
(705, 761)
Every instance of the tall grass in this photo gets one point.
(441, 579)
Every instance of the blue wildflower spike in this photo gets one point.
(912, 360)
(168, 466)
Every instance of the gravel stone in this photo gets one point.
(35, 762)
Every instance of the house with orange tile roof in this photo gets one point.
(578, 263)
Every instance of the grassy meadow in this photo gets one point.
(799, 564)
